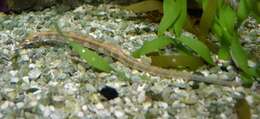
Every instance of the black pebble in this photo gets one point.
(32, 90)
(224, 68)
(109, 92)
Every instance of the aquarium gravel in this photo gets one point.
(44, 82)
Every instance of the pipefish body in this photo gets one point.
(118, 54)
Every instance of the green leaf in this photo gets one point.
(227, 19)
(217, 30)
(242, 109)
(181, 20)
(242, 11)
(91, 57)
(146, 6)
(223, 53)
(177, 60)
(171, 10)
(197, 46)
(152, 46)
(220, 4)
(257, 70)
(224, 25)
(208, 16)
(247, 80)
(239, 56)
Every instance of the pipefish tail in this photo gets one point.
(118, 54)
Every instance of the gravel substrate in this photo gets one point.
(45, 82)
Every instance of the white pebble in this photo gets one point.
(205, 73)
(31, 65)
(141, 97)
(250, 100)
(163, 105)
(20, 105)
(5, 105)
(14, 80)
(34, 74)
(13, 72)
(141, 88)
(119, 114)
(84, 107)
(70, 88)
(147, 105)
(26, 79)
(223, 116)
(80, 114)
(99, 106)
(25, 58)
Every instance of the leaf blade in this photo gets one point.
(91, 57)
(182, 18)
(196, 45)
(151, 46)
(170, 12)
(239, 56)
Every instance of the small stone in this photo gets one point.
(33, 103)
(229, 68)
(34, 74)
(58, 99)
(251, 63)
(20, 105)
(113, 77)
(14, 80)
(139, 116)
(127, 101)
(109, 92)
(90, 88)
(53, 83)
(163, 105)
(5, 105)
(119, 114)
(250, 100)
(11, 95)
(141, 97)
(26, 79)
(25, 58)
(224, 77)
(229, 99)
(80, 114)
(13, 72)
(205, 73)
(70, 88)
(32, 66)
(223, 116)
(147, 105)
(32, 90)
(99, 106)
(135, 78)
(141, 88)
(84, 107)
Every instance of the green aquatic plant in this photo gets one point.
(224, 28)
(248, 7)
(219, 18)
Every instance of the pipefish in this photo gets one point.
(117, 53)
